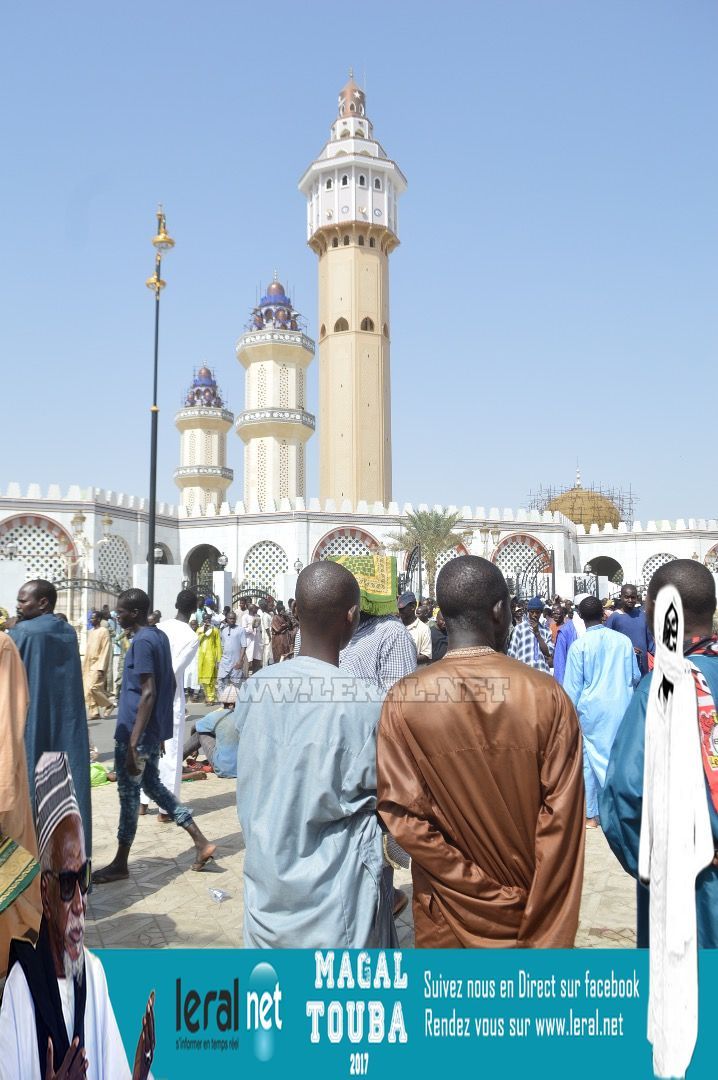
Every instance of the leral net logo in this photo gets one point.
(264, 998)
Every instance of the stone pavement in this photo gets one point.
(164, 904)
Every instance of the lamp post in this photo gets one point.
(162, 244)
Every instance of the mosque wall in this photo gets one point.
(270, 543)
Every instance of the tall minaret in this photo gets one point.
(352, 190)
(275, 425)
(203, 423)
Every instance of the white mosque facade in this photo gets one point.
(94, 542)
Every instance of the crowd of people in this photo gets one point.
(472, 737)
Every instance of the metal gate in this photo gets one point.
(536, 577)
(76, 596)
(250, 590)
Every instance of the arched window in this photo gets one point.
(263, 562)
(340, 326)
(361, 241)
(348, 541)
(335, 242)
(372, 242)
(367, 324)
(346, 241)
(322, 331)
(377, 184)
(362, 181)
(329, 184)
(345, 181)
(385, 330)
(352, 107)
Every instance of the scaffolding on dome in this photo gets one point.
(577, 495)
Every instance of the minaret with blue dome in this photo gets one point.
(203, 423)
(275, 352)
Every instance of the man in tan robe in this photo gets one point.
(480, 780)
(16, 816)
(95, 664)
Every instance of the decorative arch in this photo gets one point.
(166, 559)
(442, 560)
(515, 553)
(711, 555)
(200, 564)
(605, 566)
(651, 565)
(340, 326)
(347, 541)
(43, 545)
(114, 560)
(367, 324)
(264, 561)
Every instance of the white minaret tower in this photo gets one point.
(275, 425)
(352, 190)
(203, 423)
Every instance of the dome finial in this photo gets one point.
(578, 475)
(275, 275)
(352, 100)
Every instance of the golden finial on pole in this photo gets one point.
(163, 242)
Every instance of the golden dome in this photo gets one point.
(586, 507)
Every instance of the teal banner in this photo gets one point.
(226, 1013)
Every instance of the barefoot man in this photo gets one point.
(144, 721)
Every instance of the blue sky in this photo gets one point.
(554, 294)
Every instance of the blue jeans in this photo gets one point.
(128, 789)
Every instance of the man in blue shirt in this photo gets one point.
(601, 672)
(216, 735)
(531, 641)
(632, 622)
(144, 721)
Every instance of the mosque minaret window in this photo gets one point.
(367, 324)
(340, 326)
(345, 181)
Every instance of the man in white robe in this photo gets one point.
(183, 647)
(56, 1011)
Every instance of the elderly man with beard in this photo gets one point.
(57, 1019)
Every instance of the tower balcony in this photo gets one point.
(260, 423)
(256, 345)
(204, 416)
(207, 475)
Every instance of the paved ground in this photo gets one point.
(164, 904)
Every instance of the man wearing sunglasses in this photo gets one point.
(57, 1020)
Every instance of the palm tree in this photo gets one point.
(434, 532)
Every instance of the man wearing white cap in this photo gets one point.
(56, 1015)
